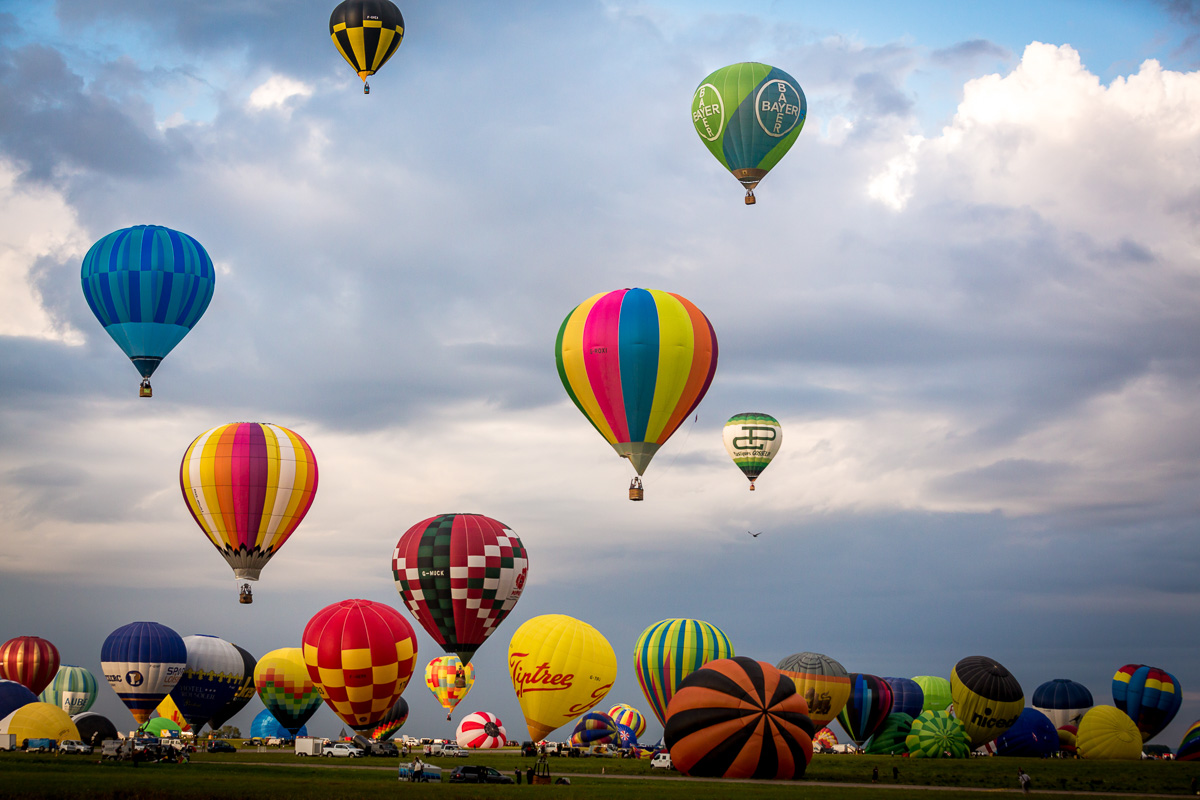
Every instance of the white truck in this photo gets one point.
(309, 746)
(661, 761)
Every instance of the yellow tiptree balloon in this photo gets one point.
(560, 668)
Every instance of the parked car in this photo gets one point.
(220, 746)
(73, 746)
(528, 749)
(341, 750)
(471, 774)
(381, 749)
(661, 761)
(453, 750)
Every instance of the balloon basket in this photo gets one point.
(245, 597)
(366, 88)
(144, 390)
(636, 492)
(541, 773)
(752, 487)
(750, 199)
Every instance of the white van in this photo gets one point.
(661, 761)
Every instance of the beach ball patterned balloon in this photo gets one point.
(481, 731)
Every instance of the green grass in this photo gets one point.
(245, 775)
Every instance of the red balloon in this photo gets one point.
(30, 661)
(360, 654)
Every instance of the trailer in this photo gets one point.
(309, 746)
(8, 741)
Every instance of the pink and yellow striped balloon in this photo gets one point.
(636, 362)
(248, 485)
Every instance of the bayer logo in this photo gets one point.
(779, 105)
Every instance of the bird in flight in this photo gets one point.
(755, 535)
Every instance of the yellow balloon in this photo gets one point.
(560, 668)
(40, 721)
(168, 709)
(1107, 733)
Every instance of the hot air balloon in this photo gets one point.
(248, 485)
(30, 661)
(94, 728)
(907, 696)
(670, 650)
(285, 688)
(265, 726)
(891, 735)
(1150, 696)
(739, 718)
(626, 738)
(460, 575)
(168, 710)
(1067, 739)
(366, 33)
(1189, 745)
(143, 661)
(243, 695)
(748, 116)
(752, 440)
(392, 721)
(360, 654)
(936, 733)
(630, 717)
(560, 668)
(214, 674)
(987, 698)
(73, 689)
(936, 692)
(450, 680)
(162, 727)
(39, 721)
(1033, 735)
(148, 285)
(14, 695)
(481, 731)
(824, 739)
(1064, 702)
(636, 363)
(868, 705)
(594, 727)
(822, 681)
(1107, 733)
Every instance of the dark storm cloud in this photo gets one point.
(967, 54)
(52, 122)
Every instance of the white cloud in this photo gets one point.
(276, 91)
(35, 222)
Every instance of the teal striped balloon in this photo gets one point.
(748, 115)
(148, 285)
(670, 650)
(73, 689)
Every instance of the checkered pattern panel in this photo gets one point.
(460, 575)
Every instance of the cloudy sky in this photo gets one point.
(969, 293)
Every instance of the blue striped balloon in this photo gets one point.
(148, 285)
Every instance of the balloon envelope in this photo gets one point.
(636, 363)
(1063, 701)
(73, 689)
(824, 738)
(392, 721)
(162, 727)
(148, 286)
(935, 690)
(39, 721)
(169, 710)
(94, 728)
(822, 681)
(739, 718)
(143, 661)
(907, 696)
(670, 650)
(265, 726)
(248, 486)
(987, 698)
(282, 682)
(594, 727)
(1150, 696)
(748, 115)
(560, 668)
(360, 654)
(752, 440)
(630, 717)
(213, 675)
(1032, 736)
(891, 735)
(442, 676)
(1107, 733)
(13, 695)
(243, 695)
(366, 33)
(460, 575)
(869, 704)
(30, 661)
(936, 734)
(1189, 746)
(481, 731)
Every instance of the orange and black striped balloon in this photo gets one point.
(739, 718)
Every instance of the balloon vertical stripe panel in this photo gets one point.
(366, 33)
(248, 486)
(73, 690)
(670, 650)
(30, 661)
(143, 662)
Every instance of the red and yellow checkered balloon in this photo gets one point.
(360, 654)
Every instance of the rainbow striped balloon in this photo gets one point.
(636, 362)
(670, 650)
(248, 486)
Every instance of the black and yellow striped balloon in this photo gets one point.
(366, 33)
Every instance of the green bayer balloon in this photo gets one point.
(748, 115)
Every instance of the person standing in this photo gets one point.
(875, 775)
(518, 774)
(1023, 777)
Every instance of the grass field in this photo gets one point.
(283, 775)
